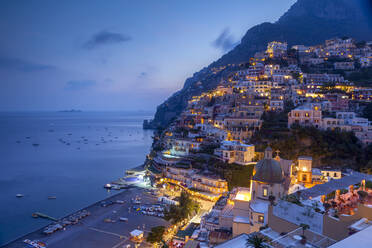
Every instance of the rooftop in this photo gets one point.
(237, 242)
(343, 183)
(259, 206)
(362, 239)
(268, 171)
(241, 219)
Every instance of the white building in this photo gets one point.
(276, 49)
(236, 152)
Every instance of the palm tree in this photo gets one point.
(304, 227)
(256, 241)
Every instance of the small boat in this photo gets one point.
(52, 197)
(35, 215)
(123, 219)
(107, 186)
(35, 144)
(19, 195)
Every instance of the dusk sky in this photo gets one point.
(114, 55)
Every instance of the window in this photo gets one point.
(264, 193)
(307, 114)
(304, 177)
(335, 174)
(260, 219)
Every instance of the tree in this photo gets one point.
(304, 228)
(184, 210)
(362, 195)
(256, 241)
(368, 168)
(367, 112)
(327, 206)
(156, 234)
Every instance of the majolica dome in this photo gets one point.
(268, 170)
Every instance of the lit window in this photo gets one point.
(260, 219)
(264, 193)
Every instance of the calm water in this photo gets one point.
(77, 154)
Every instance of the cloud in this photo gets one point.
(225, 41)
(104, 38)
(16, 64)
(80, 84)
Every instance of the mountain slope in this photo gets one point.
(307, 22)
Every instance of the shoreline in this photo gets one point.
(22, 237)
(39, 230)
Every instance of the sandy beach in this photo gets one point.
(92, 231)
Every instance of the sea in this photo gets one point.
(69, 155)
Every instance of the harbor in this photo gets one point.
(106, 225)
(57, 179)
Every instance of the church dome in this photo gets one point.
(268, 170)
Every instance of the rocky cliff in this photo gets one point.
(307, 22)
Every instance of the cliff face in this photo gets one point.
(307, 22)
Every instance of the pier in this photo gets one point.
(41, 215)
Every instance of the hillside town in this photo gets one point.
(247, 188)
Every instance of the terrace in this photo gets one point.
(346, 202)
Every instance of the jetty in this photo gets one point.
(41, 215)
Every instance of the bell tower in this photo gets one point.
(268, 153)
(304, 173)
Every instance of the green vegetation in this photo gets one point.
(363, 77)
(292, 198)
(362, 195)
(304, 228)
(184, 210)
(367, 168)
(208, 148)
(331, 148)
(236, 175)
(156, 234)
(256, 241)
(369, 184)
(367, 111)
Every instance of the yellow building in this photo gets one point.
(304, 174)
